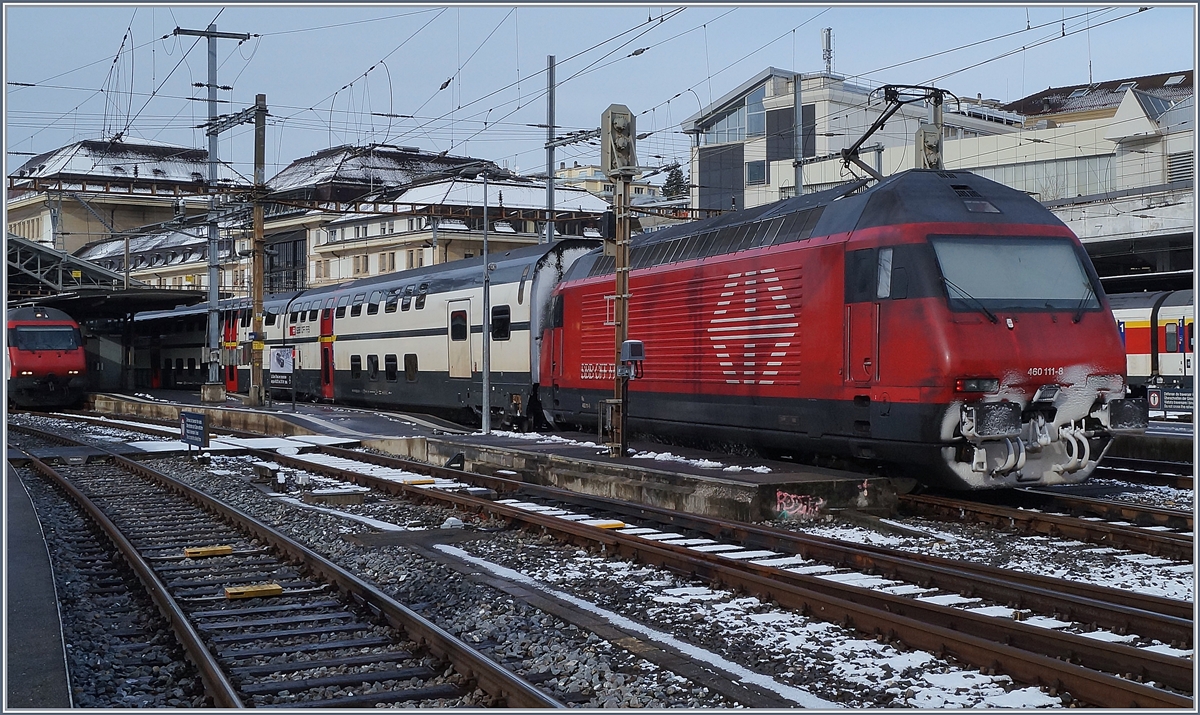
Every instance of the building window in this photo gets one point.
(333, 234)
(410, 367)
(420, 258)
(756, 115)
(411, 259)
(608, 188)
(756, 172)
(638, 190)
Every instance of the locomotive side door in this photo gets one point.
(326, 342)
(458, 337)
(863, 269)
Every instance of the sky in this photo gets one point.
(471, 80)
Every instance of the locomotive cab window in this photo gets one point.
(458, 325)
(1013, 273)
(356, 366)
(501, 322)
(50, 337)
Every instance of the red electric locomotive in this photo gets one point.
(46, 362)
(936, 324)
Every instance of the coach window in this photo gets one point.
(167, 365)
(390, 369)
(269, 318)
(373, 367)
(458, 325)
(341, 307)
(314, 310)
(356, 309)
(1172, 338)
(500, 322)
(410, 367)
(303, 313)
(389, 305)
(356, 366)
(245, 318)
(421, 296)
(191, 364)
(328, 310)
(294, 315)
(179, 365)
(373, 303)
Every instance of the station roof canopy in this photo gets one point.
(100, 303)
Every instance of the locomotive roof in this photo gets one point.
(38, 312)
(913, 196)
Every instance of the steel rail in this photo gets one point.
(947, 631)
(1174, 546)
(490, 676)
(1112, 510)
(1177, 475)
(1112, 608)
(218, 686)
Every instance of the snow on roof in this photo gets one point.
(1102, 95)
(511, 194)
(124, 159)
(140, 244)
(375, 167)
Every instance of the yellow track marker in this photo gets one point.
(199, 552)
(257, 591)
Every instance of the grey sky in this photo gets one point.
(330, 72)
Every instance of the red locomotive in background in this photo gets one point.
(46, 362)
(937, 324)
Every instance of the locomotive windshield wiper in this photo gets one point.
(990, 315)
(1082, 302)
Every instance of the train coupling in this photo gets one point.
(1125, 414)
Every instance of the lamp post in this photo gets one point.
(487, 296)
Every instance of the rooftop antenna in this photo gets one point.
(827, 48)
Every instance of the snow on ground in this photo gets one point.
(1055, 557)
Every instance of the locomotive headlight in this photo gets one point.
(72, 372)
(27, 372)
(977, 384)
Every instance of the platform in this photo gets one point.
(35, 659)
(722, 486)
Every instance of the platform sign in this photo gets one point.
(193, 428)
(283, 361)
(1170, 400)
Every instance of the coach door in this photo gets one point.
(326, 341)
(229, 336)
(458, 337)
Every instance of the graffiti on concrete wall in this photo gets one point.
(799, 507)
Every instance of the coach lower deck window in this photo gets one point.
(356, 366)
(410, 367)
(390, 368)
(1172, 338)
(458, 325)
(178, 364)
(501, 322)
(373, 367)
(191, 364)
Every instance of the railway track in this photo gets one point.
(1065, 661)
(1178, 475)
(1174, 545)
(203, 562)
(759, 563)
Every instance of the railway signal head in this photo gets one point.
(617, 140)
